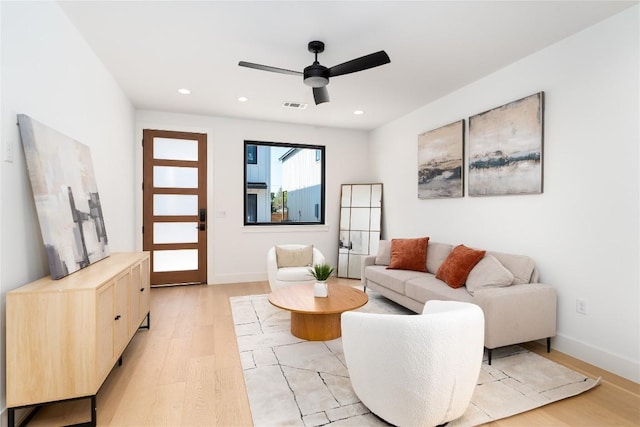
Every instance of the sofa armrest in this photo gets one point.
(517, 313)
(364, 262)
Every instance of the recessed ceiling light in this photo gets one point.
(243, 99)
(358, 112)
(184, 91)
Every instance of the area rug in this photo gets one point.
(293, 382)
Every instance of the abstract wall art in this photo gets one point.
(440, 162)
(66, 198)
(505, 148)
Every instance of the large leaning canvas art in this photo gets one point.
(66, 197)
(505, 148)
(440, 162)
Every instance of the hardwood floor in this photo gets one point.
(185, 371)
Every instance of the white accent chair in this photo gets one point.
(281, 277)
(415, 370)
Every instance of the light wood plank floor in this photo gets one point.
(186, 371)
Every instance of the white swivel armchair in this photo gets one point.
(415, 370)
(285, 276)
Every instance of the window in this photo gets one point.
(283, 183)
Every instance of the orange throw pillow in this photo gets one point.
(455, 269)
(409, 254)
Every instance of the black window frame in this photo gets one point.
(319, 148)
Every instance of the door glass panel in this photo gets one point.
(175, 204)
(175, 260)
(175, 232)
(175, 149)
(175, 177)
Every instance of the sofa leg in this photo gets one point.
(489, 356)
(548, 344)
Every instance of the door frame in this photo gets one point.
(179, 277)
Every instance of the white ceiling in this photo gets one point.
(152, 48)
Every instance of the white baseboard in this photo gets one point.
(614, 363)
(218, 279)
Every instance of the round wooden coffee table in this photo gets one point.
(313, 318)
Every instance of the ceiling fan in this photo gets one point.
(317, 75)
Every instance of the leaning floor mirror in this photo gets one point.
(360, 225)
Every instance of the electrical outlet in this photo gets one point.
(581, 306)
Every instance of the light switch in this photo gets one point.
(8, 151)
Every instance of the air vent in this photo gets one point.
(295, 105)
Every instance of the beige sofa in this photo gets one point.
(520, 311)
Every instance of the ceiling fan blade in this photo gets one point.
(320, 94)
(359, 64)
(268, 68)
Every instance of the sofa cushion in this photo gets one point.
(427, 288)
(455, 269)
(436, 254)
(391, 279)
(521, 266)
(409, 254)
(294, 274)
(294, 257)
(384, 253)
(488, 273)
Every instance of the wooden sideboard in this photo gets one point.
(64, 336)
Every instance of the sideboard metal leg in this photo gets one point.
(489, 356)
(548, 344)
(94, 411)
(11, 417)
(148, 325)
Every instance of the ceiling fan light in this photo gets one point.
(316, 81)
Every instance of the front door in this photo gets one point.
(175, 206)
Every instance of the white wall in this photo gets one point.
(583, 231)
(237, 253)
(50, 73)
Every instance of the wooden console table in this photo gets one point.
(64, 336)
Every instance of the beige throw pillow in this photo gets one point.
(384, 253)
(436, 254)
(294, 257)
(488, 273)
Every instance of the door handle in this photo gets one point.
(202, 226)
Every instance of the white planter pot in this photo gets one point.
(320, 289)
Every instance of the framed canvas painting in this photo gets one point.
(440, 162)
(505, 148)
(66, 196)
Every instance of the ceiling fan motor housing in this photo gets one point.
(316, 75)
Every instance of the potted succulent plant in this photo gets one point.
(321, 273)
